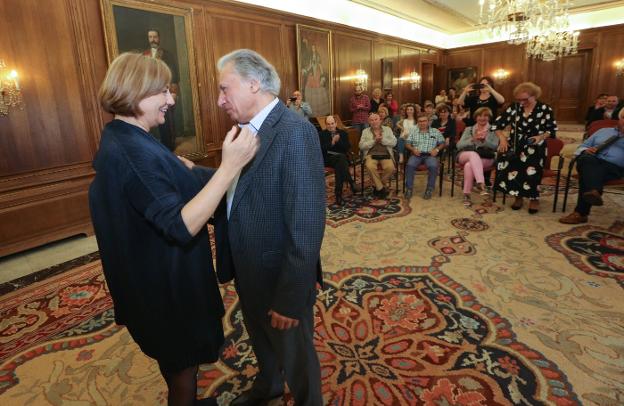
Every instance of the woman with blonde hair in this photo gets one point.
(523, 150)
(149, 211)
(376, 100)
(477, 150)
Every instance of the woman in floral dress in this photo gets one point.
(523, 151)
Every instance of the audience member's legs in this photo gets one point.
(432, 163)
(387, 166)
(412, 163)
(371, 166)
(341, 166)
(182, 385)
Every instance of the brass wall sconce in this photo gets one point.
(500, 75)
(619, 68)
(10, 93)
(415, 79)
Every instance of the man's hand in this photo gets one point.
(415, 152)
(282, 322)
(335, 139)
(591, 150)
(434, 152)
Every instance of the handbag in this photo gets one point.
(486, 153)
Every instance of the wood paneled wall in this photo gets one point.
(46, 149)
(561, 81)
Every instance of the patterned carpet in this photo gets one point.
(429, 303)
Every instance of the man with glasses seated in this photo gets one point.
(601, 159)
(376, 145)
(424, 145)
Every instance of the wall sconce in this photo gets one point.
(361, 78)
(619, 68)
(415, 79)
(500, 75)
(10, 94)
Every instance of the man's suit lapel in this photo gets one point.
(267, 135)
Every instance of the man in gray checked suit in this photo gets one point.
(274, 225)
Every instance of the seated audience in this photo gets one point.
(376, 146)
(376, 100)
(359, 105)
(476, 152)
(335, 146)
(296, 104)
(452, 96)
(608, 112)
(599, 103)
(480, 94)
(391, 104)
(430, 111)
(441, 98)
(423, 144)
(385, 119)
(403, 126)
(444, 123)
(459, 112)
(600, 159)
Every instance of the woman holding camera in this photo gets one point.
(478, 95)
(477, 149)
(519, 169)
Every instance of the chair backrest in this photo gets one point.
(460, 126)
(554, 147)
(597, 125)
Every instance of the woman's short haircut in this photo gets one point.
(489, 80)
(131, 78)
(442, 107)
(529, 87)
(383, 108)
(481, 111)
(251, 65)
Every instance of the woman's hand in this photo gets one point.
(239, 150)
(503, 145)
(536, 139)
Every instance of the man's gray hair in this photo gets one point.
(251, 65)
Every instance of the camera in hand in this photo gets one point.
(478, 86)
(292, 99)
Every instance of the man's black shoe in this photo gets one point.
(250, 398)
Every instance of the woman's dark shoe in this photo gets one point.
(517, 204)
(533, 206)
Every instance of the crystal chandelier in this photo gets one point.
(544, 25)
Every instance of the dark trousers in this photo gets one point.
(341, 165)
(286, 354)
(593, 173)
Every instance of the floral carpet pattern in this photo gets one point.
(441, 305)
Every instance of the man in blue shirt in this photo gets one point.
(424, 144)
(600, 159)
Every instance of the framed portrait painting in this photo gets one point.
(163, 32)
(458, 78)
(314, 60)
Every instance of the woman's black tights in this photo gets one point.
(182, 386)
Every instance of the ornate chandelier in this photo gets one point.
(544, 25)
(10, 94)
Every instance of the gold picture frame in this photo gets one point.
(163, 31)
(315, 67)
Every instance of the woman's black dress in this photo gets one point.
(519, 172)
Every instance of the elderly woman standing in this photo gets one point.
(477, 149)
(519, 170)
(149, 211)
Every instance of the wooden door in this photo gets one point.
(564, 84)
(427, 81)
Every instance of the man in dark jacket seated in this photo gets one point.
(335, 146)
(608, 112)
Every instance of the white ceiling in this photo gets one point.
(440, 23)
(457, 16)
